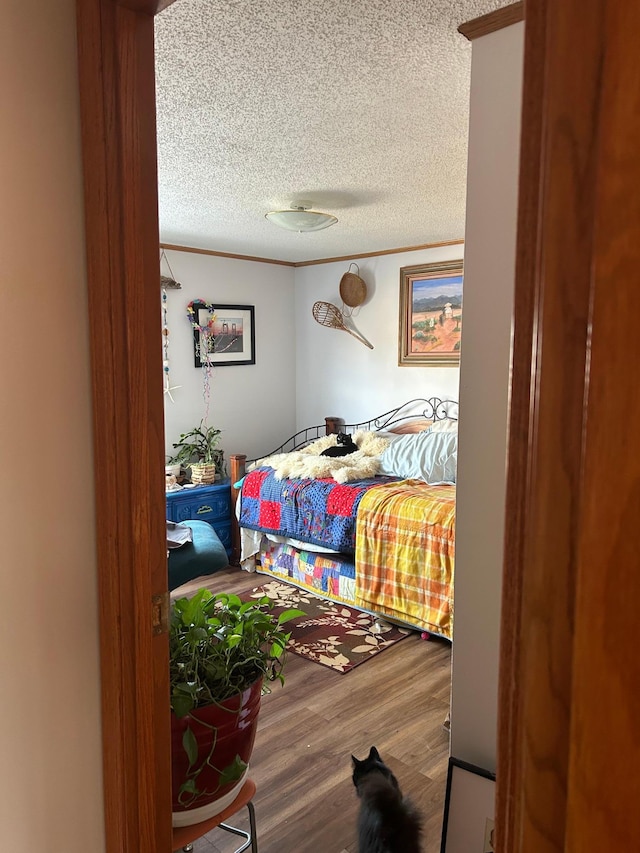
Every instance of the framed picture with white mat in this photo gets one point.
(467, 825)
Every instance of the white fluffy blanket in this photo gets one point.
(308, 462)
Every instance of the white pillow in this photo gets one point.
(444, 425)
(428, 456)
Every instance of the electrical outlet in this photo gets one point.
(488, 836)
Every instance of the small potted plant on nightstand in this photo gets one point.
(222, 650)
(198, 449)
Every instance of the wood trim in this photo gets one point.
(174, 248)
(604, 759)
(510, 711)
(546, 766)
(238, 463)
(117, 87)
(147, 7)
(310, 263)
(492, 21)
(381, 252)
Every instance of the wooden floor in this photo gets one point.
(305, 801)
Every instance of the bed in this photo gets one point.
(374, 530)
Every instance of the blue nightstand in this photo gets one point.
(204, 503)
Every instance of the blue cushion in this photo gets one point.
(204, 556)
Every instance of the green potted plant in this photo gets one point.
(198, 449)
(222, 652)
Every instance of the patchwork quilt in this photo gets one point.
(318, 511)
(328, 575)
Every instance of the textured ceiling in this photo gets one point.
(359, 106)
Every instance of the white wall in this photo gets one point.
(492, 184)
(303, 371)
(50, 739)
(253, 405)
(336, 374)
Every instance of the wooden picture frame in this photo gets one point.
(233, 341)
(430, 314)
(469, 808)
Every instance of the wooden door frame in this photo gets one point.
(117, 102)
(544, 459)
(568, 698)
(546, 529)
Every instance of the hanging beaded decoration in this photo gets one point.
(205, 344)
(166, 379)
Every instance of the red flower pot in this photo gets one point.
(234, 722)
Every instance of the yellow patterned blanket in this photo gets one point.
(405, 553)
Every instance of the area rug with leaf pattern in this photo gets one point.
(329, 633)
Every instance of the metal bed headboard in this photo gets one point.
(431, 409)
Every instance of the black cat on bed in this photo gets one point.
(344, 446)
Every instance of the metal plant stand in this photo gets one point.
(184, 837)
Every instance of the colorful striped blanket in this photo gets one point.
(321, 512)
(407, 572)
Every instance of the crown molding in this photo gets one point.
(399, 251)
(492, 21)
(216, 254)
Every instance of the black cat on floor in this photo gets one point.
(387, 823)
(344, 446)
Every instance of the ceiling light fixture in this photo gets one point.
(301, 218)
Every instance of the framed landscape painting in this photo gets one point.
(430, 314)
